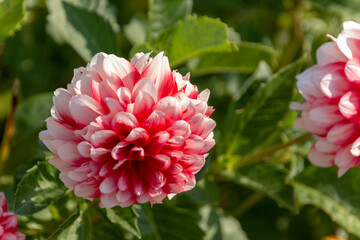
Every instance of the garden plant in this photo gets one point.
(180, 119)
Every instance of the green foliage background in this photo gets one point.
(257, 183)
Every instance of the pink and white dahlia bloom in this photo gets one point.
(8, 222)
(129, 132)
(331, 110)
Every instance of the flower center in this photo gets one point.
(136, 153)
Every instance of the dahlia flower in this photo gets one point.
(331, 90)
(8, 222)
(129, 132)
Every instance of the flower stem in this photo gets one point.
(257, 157)
(9, 127)
(248, 203)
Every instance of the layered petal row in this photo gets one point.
(129, 132)
(331, 110)
(8, 222)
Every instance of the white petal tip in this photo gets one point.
(331, 37)
(170, 196)
(342, 171)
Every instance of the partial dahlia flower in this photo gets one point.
(8, 222)
(331, 90)
(129, 133)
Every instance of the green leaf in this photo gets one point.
(29, 120)
(102, 8)
(12, 13)
(231, 228)
(31, 114)
(244, 60)
(262, 74)
(338, 197)
(205, 191)
(266, 108)
(125, 218)
(105, 230)
(38, 189)
(85, 30)
(218, 226)
(268, 178)
(196, 36)
(77, 226)
(163, 16)
(234, 36)
(240, 91)
(162, 223)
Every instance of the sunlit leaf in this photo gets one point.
(338, 197)
(101, 7)
(266, 108)
(244, 60)
(234, 36)
(77, 25)
(241, 92)
(125, 218)
(163, 16)
(77, 226)
(196, 36)
(12, 13)
(38, 189)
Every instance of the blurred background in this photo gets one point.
(42, 62)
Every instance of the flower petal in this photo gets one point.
(342, 133)
(194, 144)
(108, 200)
(156, 122)
(160, 73)
(345, 160)
(349, 40)
(123, 123)
(334, 84)
(320, 159)
(84, 109)
(349, 105)
(329, 53)
(109, 184)
(123, 69)
(143, 105)
(69, 153)
(61, 101)
(170, 106)
(59, 131)
(325, 116)
(147, 86)
(352, 71)
(141, 61)
(104, 138)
